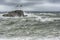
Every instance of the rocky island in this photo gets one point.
(14, 13)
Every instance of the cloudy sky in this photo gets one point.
(30, 5)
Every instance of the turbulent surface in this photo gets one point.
(36, 26)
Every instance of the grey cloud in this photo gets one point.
(54, 1)
(48, 9)
(31, 4)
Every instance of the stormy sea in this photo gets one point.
(35, 26)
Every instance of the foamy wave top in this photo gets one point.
(40, 18)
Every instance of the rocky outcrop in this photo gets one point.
(14, 13)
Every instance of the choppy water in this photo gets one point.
(36, 26)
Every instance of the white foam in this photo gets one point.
(40, 18)
(47, 19)
(30, 15)
(32, 38)
(48, 14)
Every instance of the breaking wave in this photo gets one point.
(43, 17)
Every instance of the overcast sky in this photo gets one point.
(30, 5)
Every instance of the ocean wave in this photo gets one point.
(31, 38)
(38, 18)
(34, 27)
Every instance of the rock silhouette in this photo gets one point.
(14, 13)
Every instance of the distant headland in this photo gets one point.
(34, 11)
